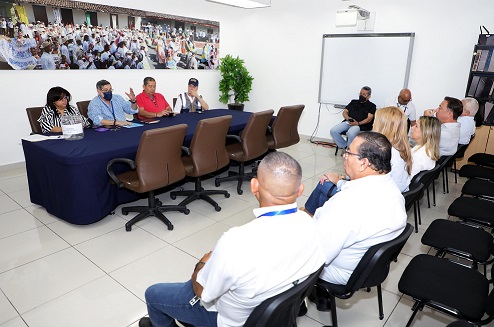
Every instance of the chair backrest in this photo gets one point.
(159, 157)
(284, 129)
(426, 176)
(282, 309)
(253, 136)
(208, 151)
(373, 268)
(412, 194)
(33, 115)
(82, 106)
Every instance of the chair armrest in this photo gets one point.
(186, 150)
(110, 172)
(235, 137)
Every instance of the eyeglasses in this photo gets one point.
(58, 98)
(104, 91)
(348, 153)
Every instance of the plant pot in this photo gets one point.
(236, 106)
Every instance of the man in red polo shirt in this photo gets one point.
(153, 103)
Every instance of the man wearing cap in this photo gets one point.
(190, 101)
(47, 61)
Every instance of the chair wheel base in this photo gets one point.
(186, 211)
(240, 192)
(227, 195)
(128, 228)
(170, 227)
(217, 208)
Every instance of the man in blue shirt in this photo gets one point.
(109, 109)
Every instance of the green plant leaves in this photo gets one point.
(236, 80)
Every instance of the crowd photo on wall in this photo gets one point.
(48, 38)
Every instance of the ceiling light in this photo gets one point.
(247, 4)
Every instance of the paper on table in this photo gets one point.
(39, 137)
(133, 125)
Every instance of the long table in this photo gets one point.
(69, 179)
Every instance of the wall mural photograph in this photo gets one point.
(68, 35)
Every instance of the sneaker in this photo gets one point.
(145, 322)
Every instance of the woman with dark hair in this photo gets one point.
(57, 105)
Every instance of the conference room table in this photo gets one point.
(69, 178)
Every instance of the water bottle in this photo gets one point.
(72, 127)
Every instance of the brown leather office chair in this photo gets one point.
(33, 115)
(82, 106)
(251, 145)
(158, 163)
(207, 155)
(284, 130)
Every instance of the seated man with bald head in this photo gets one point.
(404, 102)
(249, 263)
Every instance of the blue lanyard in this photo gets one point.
(279, 213)
(112, 110)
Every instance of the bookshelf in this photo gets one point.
(481, 87)
(481, 79)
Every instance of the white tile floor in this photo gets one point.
(56, 274)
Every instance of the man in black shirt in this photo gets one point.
(359, 115)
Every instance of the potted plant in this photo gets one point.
(235, 82)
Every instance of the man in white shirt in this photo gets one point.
(404, 102)
(448, 112)
(354, 219)
(466, 119)
(191, 100)
(47, 61)
(250, 263)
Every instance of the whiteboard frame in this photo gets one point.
(410, 35)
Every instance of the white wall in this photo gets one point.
(282, 49)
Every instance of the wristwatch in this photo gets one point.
(132, 101)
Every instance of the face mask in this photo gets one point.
(361, 98)
(107, 95)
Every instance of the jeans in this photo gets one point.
(169, 301)
(351, 132)
(319, 196)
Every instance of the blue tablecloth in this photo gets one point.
(69, 179)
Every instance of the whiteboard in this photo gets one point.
(350, 61)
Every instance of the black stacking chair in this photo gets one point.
(427, 177)
(371, 271)
(473, 210)
(479, 188)
(460, 240)
(458, 155)
(444, 162)
(282, 309)
(449, 287)
(412, 197)
(482, 159)
(478, 172)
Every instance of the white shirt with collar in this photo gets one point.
(367, 211)
(450, 136)
(467, 128)
(258, 260)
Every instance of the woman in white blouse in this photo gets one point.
(426, 133)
